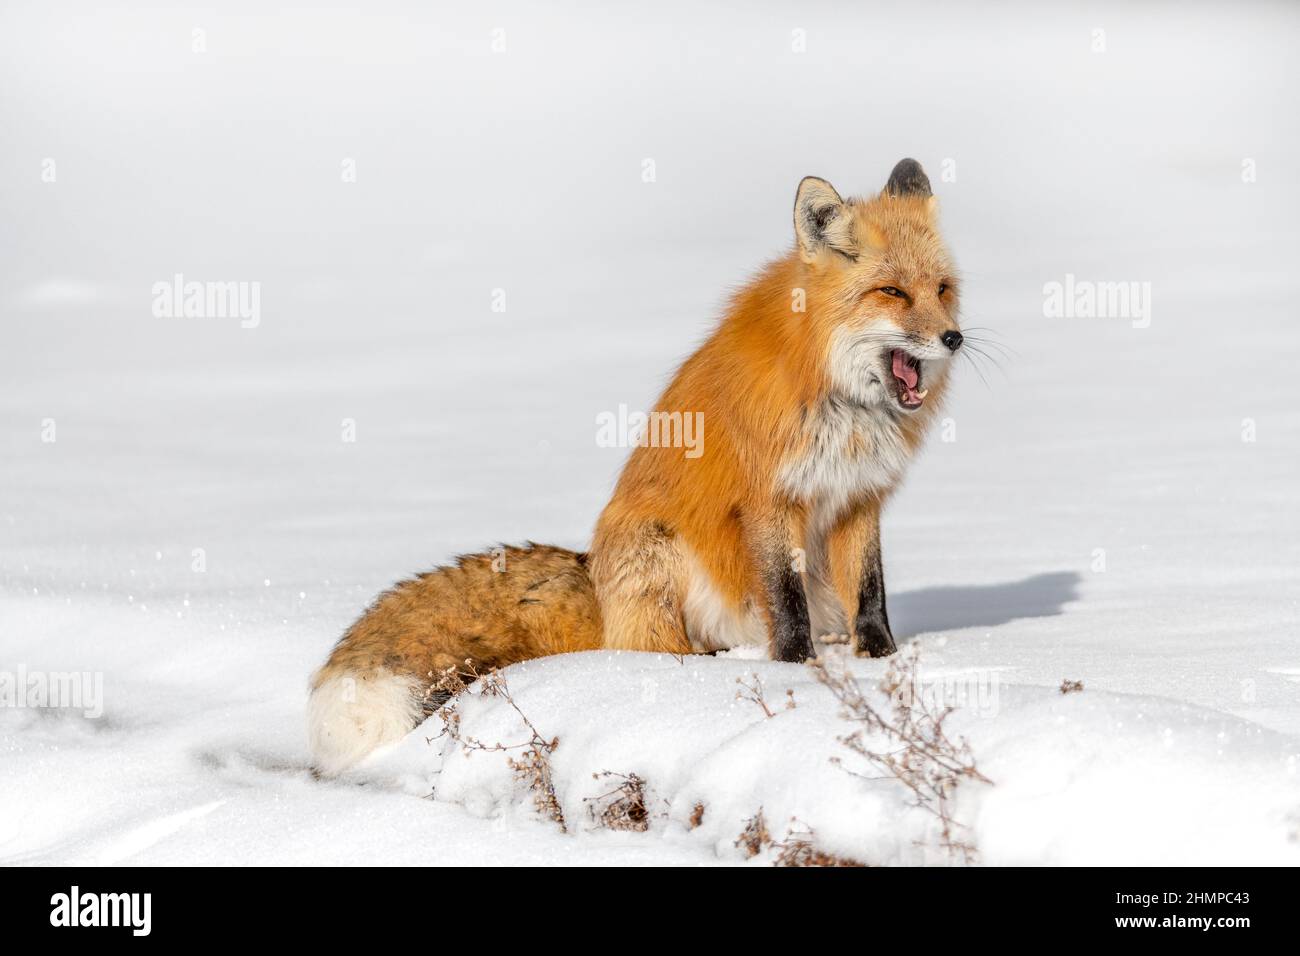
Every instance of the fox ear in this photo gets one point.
(821, 220)
(908, 179)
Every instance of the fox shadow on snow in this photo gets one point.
(981, 605)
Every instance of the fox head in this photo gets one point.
(882, 287)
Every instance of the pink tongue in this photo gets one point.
(904, 372)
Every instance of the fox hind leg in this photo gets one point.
(640, 585)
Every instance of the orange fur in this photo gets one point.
(485, 611)
(722, 523)
(489, 610)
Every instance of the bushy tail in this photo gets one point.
(487, 610)
(351, 714)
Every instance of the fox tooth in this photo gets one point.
(923, 393)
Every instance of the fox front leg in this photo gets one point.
(788, 612)
(770, 538)
(871, 634)
(787, 602)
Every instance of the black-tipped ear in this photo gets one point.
(821, 220)
(908, 179)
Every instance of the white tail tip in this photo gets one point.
(351, 716)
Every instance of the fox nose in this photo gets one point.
(952, 339)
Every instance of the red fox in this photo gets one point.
(814, 392)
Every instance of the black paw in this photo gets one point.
(796, 652)
(872, 639)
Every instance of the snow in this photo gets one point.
(1084, 778)
(199, 532)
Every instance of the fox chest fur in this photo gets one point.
(847, 452)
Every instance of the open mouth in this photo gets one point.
(907, 379)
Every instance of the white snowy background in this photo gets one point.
(1098, 517)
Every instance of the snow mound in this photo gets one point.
(1080, 778)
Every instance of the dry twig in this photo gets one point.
(918, 753)
(622, 808)
(752, 690)
(797, 849)
(533, 765)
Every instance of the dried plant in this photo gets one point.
(697, 815)
(755, 838)
(622, 808)
(797, 849)
(533, 766)
(1071, 686)
(917, 752)
(752, 690)
(441, 692)
(800, 852)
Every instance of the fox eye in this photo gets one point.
(943, 287)
(890, 290)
